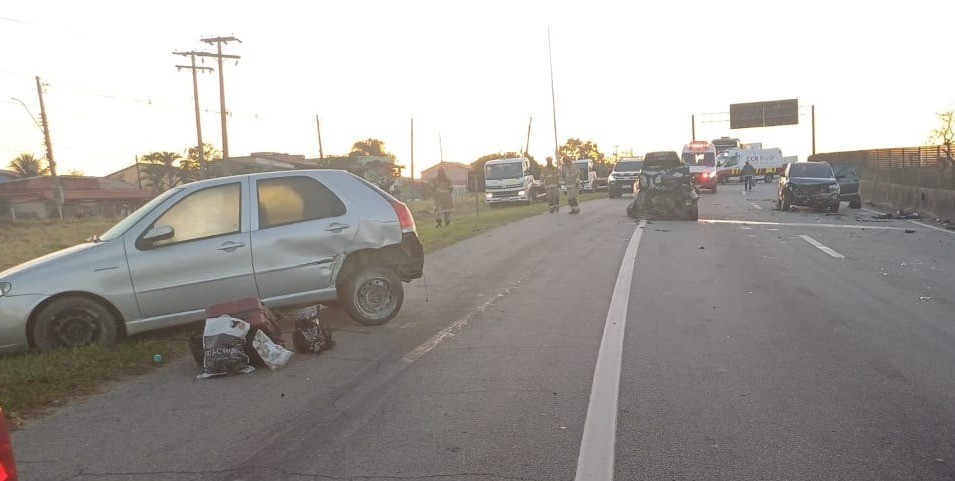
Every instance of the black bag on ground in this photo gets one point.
(223, 343)
(310, 335)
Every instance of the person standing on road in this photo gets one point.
(572, 182)
(748, 172)
(443, 203)
(551, 176)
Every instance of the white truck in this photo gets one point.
(768, 163)
(588, 176)
(510, 181)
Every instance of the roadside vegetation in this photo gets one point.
(33, 383)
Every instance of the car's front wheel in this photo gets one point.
(768, 178)
(834, 207)
(372, 296)
(73, 321)
(855, 203)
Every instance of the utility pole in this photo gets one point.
(57, 191)
(412, 151)
(553, 98)
(813, 129)
(693, 127)
(527, 145)
(318, 125)
(203, 167)
(222, 110)
(440, 147)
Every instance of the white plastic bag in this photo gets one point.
(273, 355)
(223, 346)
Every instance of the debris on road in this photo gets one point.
(702, 247)
(909, 231)
(898, 214)
(223, 342)
(663, 230)
(310, 335)
(925, 298)
(273, 355)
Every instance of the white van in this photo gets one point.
(588, 176)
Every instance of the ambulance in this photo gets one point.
(768, 163)
(700, 157)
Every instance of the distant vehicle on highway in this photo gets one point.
(848, 185)
(588, 176)
(809, 184)
(290, 238)
(623, 176)
(700, 157)
(768, 164)
(510, 181)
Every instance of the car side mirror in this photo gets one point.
(158, 233)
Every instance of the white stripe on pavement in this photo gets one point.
(756, 206)
(822, 247)
(799, 224)
(598, 443)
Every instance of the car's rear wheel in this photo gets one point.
(855, 203)
(73, 321)
(768, 178)
(372, 296)
(834, 207)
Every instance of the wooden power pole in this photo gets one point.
(203, 167)
(57, 191)
(222, 110)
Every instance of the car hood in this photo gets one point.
(811, 181)
(54, 257)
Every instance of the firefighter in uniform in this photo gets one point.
(551, 176)
(443, 203)
(572, 182)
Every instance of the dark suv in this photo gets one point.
(810, 184)
(848, 185)
(624, 174)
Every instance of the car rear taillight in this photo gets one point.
(8, 470)
(404, 217)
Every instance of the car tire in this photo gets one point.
(768, 178)
(372, 296)
(73, 321)
(631, 210)
(855, 203)
(834, 207)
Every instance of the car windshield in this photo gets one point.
(811, 170)
(843, 171)
(628, 166)
(122, 226)
(511, 170)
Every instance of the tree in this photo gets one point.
(26, 165)
(76, 173)
(944, 136)
(191, 169)
(578, 149)
(370, 147)
(160, 171)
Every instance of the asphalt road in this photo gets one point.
(758, 344)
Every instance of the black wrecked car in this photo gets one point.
(664, 189)
(809, 184)
(848, 185)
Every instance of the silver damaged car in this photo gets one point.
(290, 238)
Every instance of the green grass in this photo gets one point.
(33, 383)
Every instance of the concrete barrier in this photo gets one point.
(933, 203)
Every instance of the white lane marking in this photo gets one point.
(922, 224)
(598, 443)
(798, 224)
(933, 227)
(822, 247)
(756, 206)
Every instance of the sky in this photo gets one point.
(627, 75)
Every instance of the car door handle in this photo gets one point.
(336, 227)
(228, 246)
